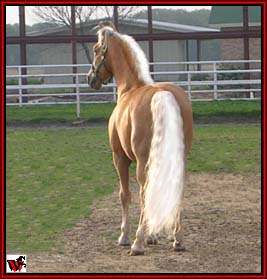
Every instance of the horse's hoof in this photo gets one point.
(152, 240)
(134, 252)
(178, 247)
(137, 249)
(124, 241)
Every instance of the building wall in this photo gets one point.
(255, 48)
(233, 49)
(44, 54)
(169, 51)
(51, 54)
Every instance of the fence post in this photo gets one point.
(189, 85)
(215, 86)
(114, 91)
(20, 84)
(78, 96)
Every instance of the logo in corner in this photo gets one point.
(16, 263)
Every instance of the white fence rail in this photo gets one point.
(217, 80)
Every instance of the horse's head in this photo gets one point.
(100, 72)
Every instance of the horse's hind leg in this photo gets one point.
(178, 243)
(138, 246)
(122, 163)
(152, 239)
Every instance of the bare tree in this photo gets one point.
(61, 15)
(123, 11)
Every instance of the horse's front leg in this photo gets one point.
(122, 164)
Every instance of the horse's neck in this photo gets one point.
(125, 77)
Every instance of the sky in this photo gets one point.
(12, 13)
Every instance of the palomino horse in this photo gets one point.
(152, 125)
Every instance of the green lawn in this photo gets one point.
(218, 108)
(207, 111)
(58, 113)
(226, 148)
(53, 175)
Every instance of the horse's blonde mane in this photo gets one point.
(139, 59)
(133, 53)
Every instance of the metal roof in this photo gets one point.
(232, 16)
(167, 26)
(157, 25)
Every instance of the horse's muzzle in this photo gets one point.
(91, 80)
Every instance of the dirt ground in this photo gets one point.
(222, 234)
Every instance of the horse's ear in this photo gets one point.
(101, 25)
(98, 27)
(111, 24)
(106, 35)
(93, 29)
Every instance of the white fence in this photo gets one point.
(217, 80)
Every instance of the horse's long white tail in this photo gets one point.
(166, 168)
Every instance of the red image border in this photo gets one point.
(2, 137)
